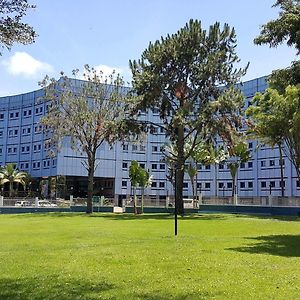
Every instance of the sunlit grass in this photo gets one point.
(106, 256)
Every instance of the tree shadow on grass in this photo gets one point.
(167, 296)
(269, 217)
(279, 245)
(50, 288)
(126, 216)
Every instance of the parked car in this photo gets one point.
(46, 203)
(22, 203)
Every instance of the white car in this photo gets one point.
(22, 203)
(45, 203)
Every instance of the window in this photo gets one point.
(15, 149)
(154, 148)
(124, 165)
(199, 167)
(154, 166)
(155, 110)
(154, 130)
(162, 166)
(1, 133)
(142, 165)
(272, 162)
(250, 184)
(199, 185)
(161, 184)
(221, 185)
(15, 131)
(263, 184)
(207, 167)
(25, 113)
(272, 184)
(9, 150)
(262, 163)
(142, 148)
(207, 185)
(283, 162)
(298, 184)
(250, 145)
(250, 164)
(242, 165)
(125, 147)
(1, 116)
(29, 112)
(283, 183)
(153, 184)
(26, 165)
(185, 185)
(229, 185)
(242, 185)
(134, 147)
(221, 166)
(11, 115)
(17, 114)
(23, 149)
(124, 183)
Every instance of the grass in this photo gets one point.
(106, 256)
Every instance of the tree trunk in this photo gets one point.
(180, 170)
(216, 180)
(11, 188)
(91, 170)
(143, 192)
(233, 186)
(281, 170)
(134, 200)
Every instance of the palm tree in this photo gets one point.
(10, 174)
(239, 153)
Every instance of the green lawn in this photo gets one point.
(106, 256)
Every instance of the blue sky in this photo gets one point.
(106, 34)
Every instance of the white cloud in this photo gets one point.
(23, 64)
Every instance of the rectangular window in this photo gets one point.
(250, 145)
(242, 185)
(17, 114)
(142, 148)
(25, 113)
(207, 167)
(207, 185)
(250, 164)
(199, 185)
(124, 183)
(298, 184)
(185, 185)
(142, 165)
(263, 184)
(221, 166)
(125, 147)
(1, 116)
(272, 184)
(154, 166)
(11, 115)
(221, 185)
(250, 184)
(161, 184)
(229, 185)
(154, 148)
(134, 147)
(282, 184)
(162, 166)
(153, 184)
(28, 130)
(15, 131)
(29, 112)
(242, 165)
(272, 162)
(262, 163)
(124, 165)
(15, 149)
(1, 133)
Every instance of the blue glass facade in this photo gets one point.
(25, 142)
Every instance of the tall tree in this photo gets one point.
(181, 75)
(145, 180)
(285, 28)
(88, 112)
(12, 29)
(276, 119)
(9, 174)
